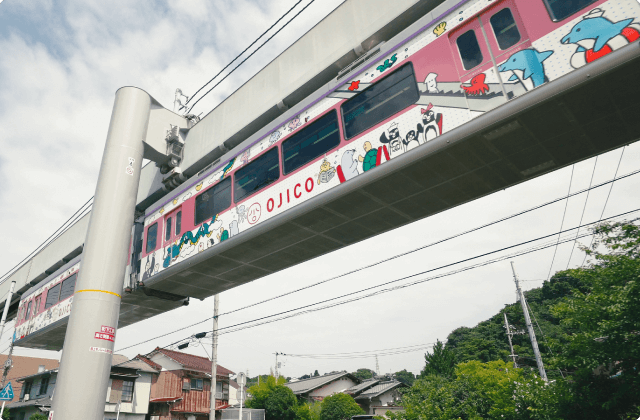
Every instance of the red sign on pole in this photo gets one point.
(105, 336)
(108, 330)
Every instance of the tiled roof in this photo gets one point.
(379, 389)
(116, 359)
(366, 384)
(307, 385)
(139, 365)
(148, 361)
(191, 361)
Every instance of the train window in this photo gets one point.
(68, 286)
(380, 101)
(312, 141)
(256, 175)
(213, 201)
(167, 229)
(53, 295)
(560, 9)
(469, 50)
(505, 28)
(152, 237)
(36, 307)
(28, 314)
(178, 222)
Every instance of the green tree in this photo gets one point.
(316, 373)
(36, 416)
(363, 374)
(602, 316)
(308, 411)
(339, 407)
(277, 400)
(6, 415)
(441, 362)
(405, 377)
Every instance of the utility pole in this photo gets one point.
(8, 363)
(377, 366)
(532, 334)
(277, 366)
(509, 334)
(214, 358)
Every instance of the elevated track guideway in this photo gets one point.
(472, 98)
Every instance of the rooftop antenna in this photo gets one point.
(180, 101)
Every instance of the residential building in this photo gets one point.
(127, 396)
(182, 388)
(234, 401)
(319, 387)
(383, 396)
(22, 366)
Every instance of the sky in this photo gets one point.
(62, 63)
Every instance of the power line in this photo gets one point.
(45, 243)
(430, 245)
(562, 223)
(605, 201)
(250, 55)
(244, 51)
(364, 354)
(288, 313)
(583, 210)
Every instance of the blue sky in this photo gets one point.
(61, 65)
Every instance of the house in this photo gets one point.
(22, 366)
(182, 389)
(383, 396)
(319, 387)
(127, 395)
(234, 388)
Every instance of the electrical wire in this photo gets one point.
(250, 55)
(288, 314)
(562, 223)
(363, 354)
(605, 202)
(244, 51)
(402, 254)
(43, 244)
(583, 210)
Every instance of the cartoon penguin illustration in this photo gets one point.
(348, 167)
(411, 141)
(431, 126)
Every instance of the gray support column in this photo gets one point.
(6, 307)
(214, 358)
(86, 359)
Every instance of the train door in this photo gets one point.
(172, 227)
(480, 47)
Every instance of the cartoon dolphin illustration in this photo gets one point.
(530, 63)
(597, 36)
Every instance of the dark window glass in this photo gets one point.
(213, 201)
(178, 222)
(53, 295)
(380, 101)
(312, 141)
(256, 175)
(152, 237)
(505, 29)
(29, 310)
(44, 384)
(469, 50)
(560, 9)
(68, 286)
(167, 228)
(36, 307)
(196, 383)
(127, 391)
(27, 388)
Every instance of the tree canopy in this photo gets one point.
(339, 407)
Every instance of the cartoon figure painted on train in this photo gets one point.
(274, 137)
(432, 83)
(394, 142)
(431, 126)
(478, 86)
(294, 123)
(411, 141)
(370, 159)
(348, 167)
(527, 67)
(327, 172)
(597, 36)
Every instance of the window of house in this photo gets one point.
(196, 383)
(53, 295)
(167, 229)
(27, 388)
(259, 173)
(560, 9)
(380, 101)
(469, 50)
(312, 141)
(68, 286)
(178, 222)
(152, 237)
(213, 201)
(44, 384)
(505, 29)
(127, 391)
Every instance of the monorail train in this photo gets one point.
(476, 57)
